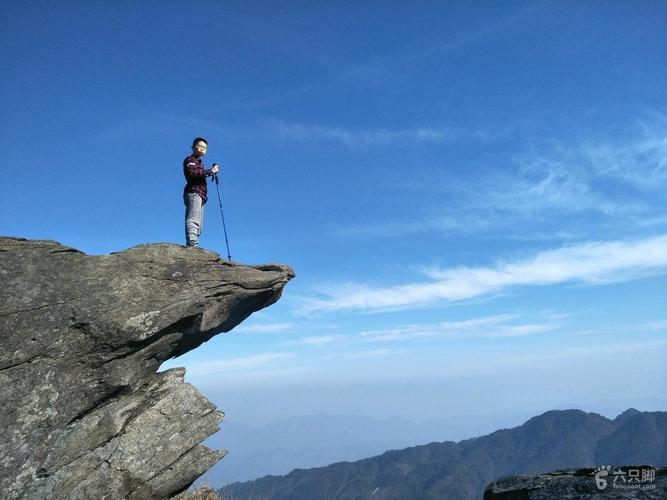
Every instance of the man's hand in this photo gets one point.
(215, 168)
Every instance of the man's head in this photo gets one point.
(199, 146)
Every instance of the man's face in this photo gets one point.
(199, 148)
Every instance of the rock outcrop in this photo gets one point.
(84, 413)
(604, 482)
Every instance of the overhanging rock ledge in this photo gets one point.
(83, 412)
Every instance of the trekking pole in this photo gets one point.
(222, 214)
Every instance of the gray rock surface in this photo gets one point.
(581, 484)
(83, 412)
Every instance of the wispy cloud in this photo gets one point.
(318, 340)
(615, 180)
(490, 326)
(265, 328)
(591, 263)
(612, 177)
(408, 332)
(361, 137)
(658, 326)
(501, 325)
(609, 177)
(387, 67)
(444, 224)
(521, 330)
(642, 163)
(375, 353)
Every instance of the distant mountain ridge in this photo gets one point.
(304, 442)
(557, 439)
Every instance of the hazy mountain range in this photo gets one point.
(315, 440)
(554, 440)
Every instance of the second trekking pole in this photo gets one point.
(222, 214)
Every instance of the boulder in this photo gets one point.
(627, 482)
(83, 409)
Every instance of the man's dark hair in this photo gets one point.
(199, 139)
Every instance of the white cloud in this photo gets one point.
(659, 326)
(592, 263)
(264, 328)
(360, 138)
(608, 177)
(642, 163)
(375, 353)
(445, 328)
(443, 224)
(521, 330)
(617, 181)
(490, 326)
(318, 340)
(613, 177)
(501, 325)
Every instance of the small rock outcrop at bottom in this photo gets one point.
(627, 482)
(83, 411)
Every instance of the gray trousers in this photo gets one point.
(194, 218)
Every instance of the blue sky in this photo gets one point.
(472, 195)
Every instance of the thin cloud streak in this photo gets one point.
(375, 353)
(488, 327)
(445, 328)
(590, 263)
(658, 326)
(642, 164)
(390, 65)
(318, 340)
(361, 138)
(265, 328)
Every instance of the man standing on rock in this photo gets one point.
(194, 194)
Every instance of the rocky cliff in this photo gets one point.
(83, 411)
